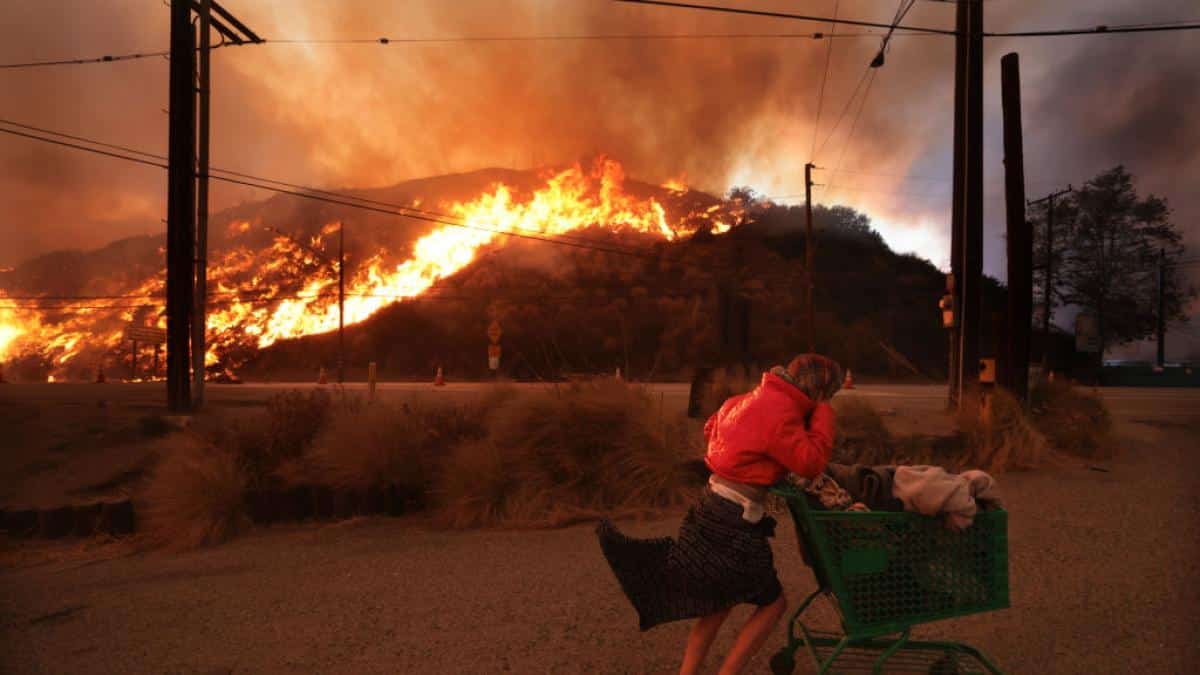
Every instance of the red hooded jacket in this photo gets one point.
(758, 437)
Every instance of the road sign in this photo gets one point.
(148, 334)
(493, 332)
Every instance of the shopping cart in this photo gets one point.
(885, 572)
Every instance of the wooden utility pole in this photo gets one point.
(181, 203)
(808, 259)
(199, 318)
(187, 194)
(973, 206)
(956, 209)
(1014, 354)
(967, 220)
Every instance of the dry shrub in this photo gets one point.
(1004, 438)
(862, 437)
(1072, 420)
(724, 384)
(262, 443)
(392, 444)
(194, 498)
(556, 456)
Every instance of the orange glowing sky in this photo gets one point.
(722, 111)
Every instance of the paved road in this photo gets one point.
(1104, 569)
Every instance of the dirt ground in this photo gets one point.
(1104, 579)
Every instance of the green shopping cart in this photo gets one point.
(885, 572)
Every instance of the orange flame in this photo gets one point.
(282, 307)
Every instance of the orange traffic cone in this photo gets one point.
(849, 383)
(100, 375)
(438, 380)
(321, 379)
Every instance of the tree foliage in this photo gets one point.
(1108, 263)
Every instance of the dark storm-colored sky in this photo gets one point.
(723, 112)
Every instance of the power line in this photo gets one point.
(913, 31)
(430, 293)
(386, 208)
(853, 126)
(1102, 29)
(337, 195)
(1130, 28)
(80, 147)
(901, 11)
(75, 62)
(786, 15)
(849, 103)
(567, 38)
(107, 58)
(824, 76)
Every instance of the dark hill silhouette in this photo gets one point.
(656, 313)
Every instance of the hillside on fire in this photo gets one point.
(585, 270)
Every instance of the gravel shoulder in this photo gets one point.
(1104, 569)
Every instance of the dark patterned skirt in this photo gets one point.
(718, 560)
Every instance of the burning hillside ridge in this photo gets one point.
(271, 279)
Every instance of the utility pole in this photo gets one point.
(181, 203)
(341, 303)
(187, 194)
(967, 219)
(1049, 276)
(1162, 306)
(956, 209)
(201, 290)
(973, 206)
(808, 258)
(1015, 354)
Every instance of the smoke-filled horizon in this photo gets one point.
(716, 112)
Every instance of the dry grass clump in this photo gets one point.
(264, 443)
(559, 455)
(391, 444)
(724, 384)
(1004, 437)
(862, 437)
(1072, 420)
(194, 497)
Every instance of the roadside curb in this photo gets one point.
(264, 507)
(114, 518)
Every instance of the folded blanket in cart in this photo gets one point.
(931, 490)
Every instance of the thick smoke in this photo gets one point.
(721, 112)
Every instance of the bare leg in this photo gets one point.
(699, 640)
(752, 635)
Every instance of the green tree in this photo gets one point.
(1110, 267)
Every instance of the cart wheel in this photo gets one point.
(784, 662)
